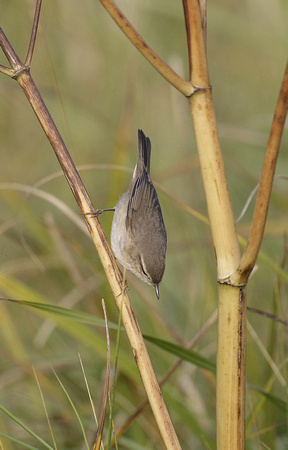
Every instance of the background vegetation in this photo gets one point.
(100, 91)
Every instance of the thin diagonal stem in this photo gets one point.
(22, 74)
(262, 203)
(172, 77)
(168, 374)
(9, 53)
(34, 33)
(7, 71)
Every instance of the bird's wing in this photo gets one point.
(143, 197)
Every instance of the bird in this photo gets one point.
(138, 233)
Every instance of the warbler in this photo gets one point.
(138, 234)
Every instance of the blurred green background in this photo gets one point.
(100, 90)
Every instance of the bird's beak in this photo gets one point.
(156, 287)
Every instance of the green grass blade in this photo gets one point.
(204, 363)
(73, 314)
(12, 439)
(29, 431)
(183, 353)
(276, 401)
(73, 407)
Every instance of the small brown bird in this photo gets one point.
(138, 234)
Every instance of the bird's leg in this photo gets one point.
(97, 212)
